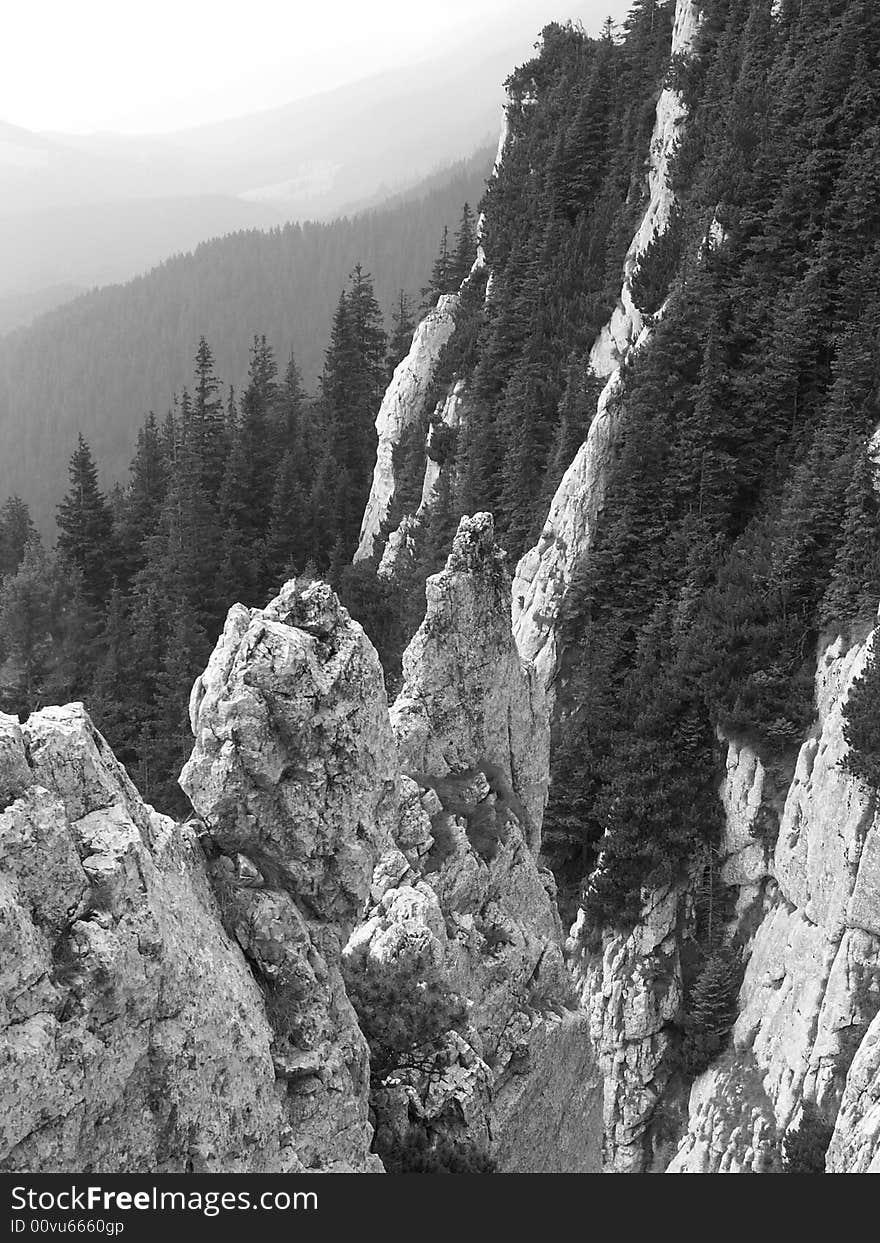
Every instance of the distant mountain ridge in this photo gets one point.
(99, 363)
(94, 209)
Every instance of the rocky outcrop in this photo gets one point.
(401, 411)
(545, 571)
(632, 991)
(809, 920)
(855, 1144)
(467, 697)
(402, 545)
(294, 772)
(472, 910)
(134, 1036)
(179, 997)
(799, 853)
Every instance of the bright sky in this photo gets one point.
(153, 65)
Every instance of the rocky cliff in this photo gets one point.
(545, 572)
(401, 412)
(808, 917)
(134, 1037)
(179, 996)
(799, 854)
(386, 534)
(469, 904)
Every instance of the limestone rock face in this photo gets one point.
(545, 571)
(474, 911)
(178, 997)
(740, 1139)
(467, 697)
(632, 992)
(294, 771)
(811, 988)
(294, 763)
(402, 408)
(855, 1144)
(132, 1034)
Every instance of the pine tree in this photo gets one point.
(16, 532)
(352, 385)
(464, 249)
(804, 1148)
(284, 546)
(854, 590)
(441, 273)
(86, 527)
(862, 725)
(185, 654)
(249, 477)
(110, 693)
(208, 422)
(400, 338)
(27, 613)
(142, 501)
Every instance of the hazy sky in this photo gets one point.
(154, 65)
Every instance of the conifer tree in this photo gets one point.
(27, 614)
(441, 273)
(142, 501)
(16, 532)
(464, 248)
(209, 429)
(287, 514)
(110, 697)
(862, 725)
(400, 337)
(804, 1148)
(248, 483)
(352, 385)
(86, 527)
(854, 590)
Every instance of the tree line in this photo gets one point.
(227, 497)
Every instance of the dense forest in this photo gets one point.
(95, 365)
(741, 527)
(226, 499)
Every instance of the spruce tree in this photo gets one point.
(862, 724)
(400, 337)
(805, 1147)
(352, 385)
(16, 532)
(209, 428)
(441, 274)
(86, 528)
(287, 513)
(464, 249)
(854, 590)
(142, 501)
(28, 601)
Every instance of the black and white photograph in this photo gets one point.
(439, 585)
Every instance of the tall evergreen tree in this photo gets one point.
(16, 532)
(464, 248)
(441, 273)
(209, 429)
(400, 337)
(352, 385)
(85, 527)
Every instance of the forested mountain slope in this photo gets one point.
(697, 235)
(711, 563)
(97, 365)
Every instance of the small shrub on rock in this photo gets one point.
(403, 1011)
